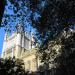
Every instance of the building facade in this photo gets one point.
(20, 45)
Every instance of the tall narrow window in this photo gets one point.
(34, 64)
(29, 65)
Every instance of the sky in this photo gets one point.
(1, 39)
(2, 29)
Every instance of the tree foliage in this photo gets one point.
(2, 6)
(50, 17)
(56, 16)
(11, 66)
(66, 60)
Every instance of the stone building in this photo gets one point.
(20, 45)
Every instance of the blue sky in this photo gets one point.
(1, 39)
(11, 12)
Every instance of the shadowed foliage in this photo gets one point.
(66, 60)
(2, 8)
(11, 66)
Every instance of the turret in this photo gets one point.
(19, 39)
(20, 28)
(5, 43)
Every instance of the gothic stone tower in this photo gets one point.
(15, 44)
(20, 46)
